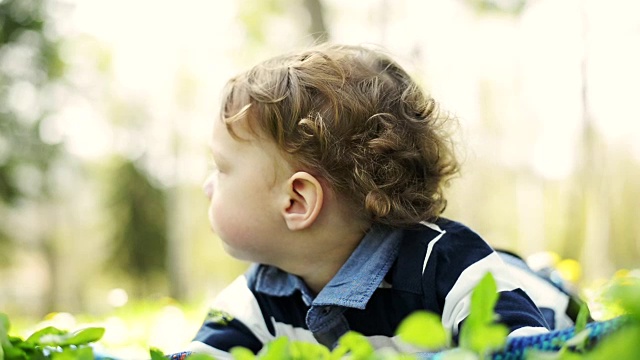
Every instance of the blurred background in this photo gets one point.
(106, 108)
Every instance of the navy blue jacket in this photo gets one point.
(392, 273)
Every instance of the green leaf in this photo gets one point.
(306, 350)
(423, 329)
(275, 350)
(156, 354)
(17, 353)
(398, 356)
(483, 299)
(80, 353)
(199, 357)
(5, 324)
(355, 344)
(579, 340)
(4, 334)
(242, 353)
(84, 336)
(619, 345)
(479, 333)
(581, 319)
(625, 293)
(47, 331)
(51, 336)
(5, 343)
(491, 337)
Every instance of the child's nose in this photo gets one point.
(207, 187)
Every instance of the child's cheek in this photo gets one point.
(224, 222)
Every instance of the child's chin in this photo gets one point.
(235, 253)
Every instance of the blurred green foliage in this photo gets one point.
(511, 7)
(22, 34)
(138, 219)
(31, 65)
(34, 86)
(134, 324)
(593, 206)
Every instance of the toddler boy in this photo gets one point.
(330, 169)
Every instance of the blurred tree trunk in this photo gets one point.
(588, 235)
(180, 231)
(530, 213)
(317, 27)
(48, 248)
(179, 243)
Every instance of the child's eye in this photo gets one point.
(214, 170)
(215, 165)
(211, 164)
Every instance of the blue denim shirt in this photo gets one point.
(351, 287)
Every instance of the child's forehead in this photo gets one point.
(236, 135)
(224, 133)
(236, 143)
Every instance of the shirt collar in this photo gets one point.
(354, 283)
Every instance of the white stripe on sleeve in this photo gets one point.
(432, 242)
(528, 331)
(237, 300)
(457, 303)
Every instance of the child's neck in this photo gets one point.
(323, 264)
(326, 246)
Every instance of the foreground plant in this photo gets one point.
(623, 294)
(481, 337)
(48, 343)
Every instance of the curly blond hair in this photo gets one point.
(352, 116)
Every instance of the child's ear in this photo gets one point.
(304, 201)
